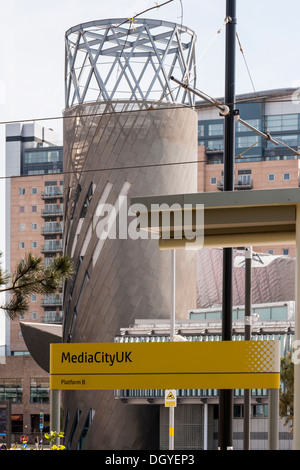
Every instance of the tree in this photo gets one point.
(286, 403)
(31, 276)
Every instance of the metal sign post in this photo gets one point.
(172, 337)
(226, 396)
(247, 392)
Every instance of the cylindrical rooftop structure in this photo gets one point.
(128, 131)
(129, 60)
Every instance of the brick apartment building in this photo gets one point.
(33, 224)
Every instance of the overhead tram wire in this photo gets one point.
(120, 112)
(147, 109)
(133, 167)
(136, 167)
(135, 16)
(209, 45)
(251, 80)
(223, 107)
(53, 118)
(130, 167)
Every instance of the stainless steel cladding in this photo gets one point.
(115, 149)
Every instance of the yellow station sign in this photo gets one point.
(199, 364)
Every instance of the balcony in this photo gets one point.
(53, 317)
(52, 192)
(52, 246)
(52, 300)
(52, 210)
(52, 228)
(238, 185)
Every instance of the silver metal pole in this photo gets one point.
(257, 131)
(172, 337)
(247, 392)
(223, 108)
(173, 294)
(205, 420)
(55, 411)
(273, 418)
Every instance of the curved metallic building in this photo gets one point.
(127, 132)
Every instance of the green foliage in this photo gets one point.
(31, 276)
(52, 437)
(286, 403)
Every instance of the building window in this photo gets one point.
(286, 176)
(253, 122)
(22, 191)
(285, 251)
(33, 315)
(247, 141)
(33, 208)
(34, 191)
(21, 245)
(259, 411)
(21, 227)
(85, 428)
(283, 122)
(213, 180)
(39, 390)
(270, 252)
(238, 411)
(200, 130)
(217, 145)
(33, 297)
(33, 244)
(244, 178)
(42, 156)
(271, 177)
(34, 226)
(215, 129)
(11, 389)
(289, 139)
(22, 209)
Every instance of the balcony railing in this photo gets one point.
(52, 228)
(238, 185)
(53, 247)
(52, 300)
(52, 192)
(53, 317)
(52, 209)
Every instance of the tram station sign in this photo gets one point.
(171, 365)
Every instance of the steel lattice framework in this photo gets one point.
(131, 60)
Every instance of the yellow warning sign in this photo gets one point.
(170, 398)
